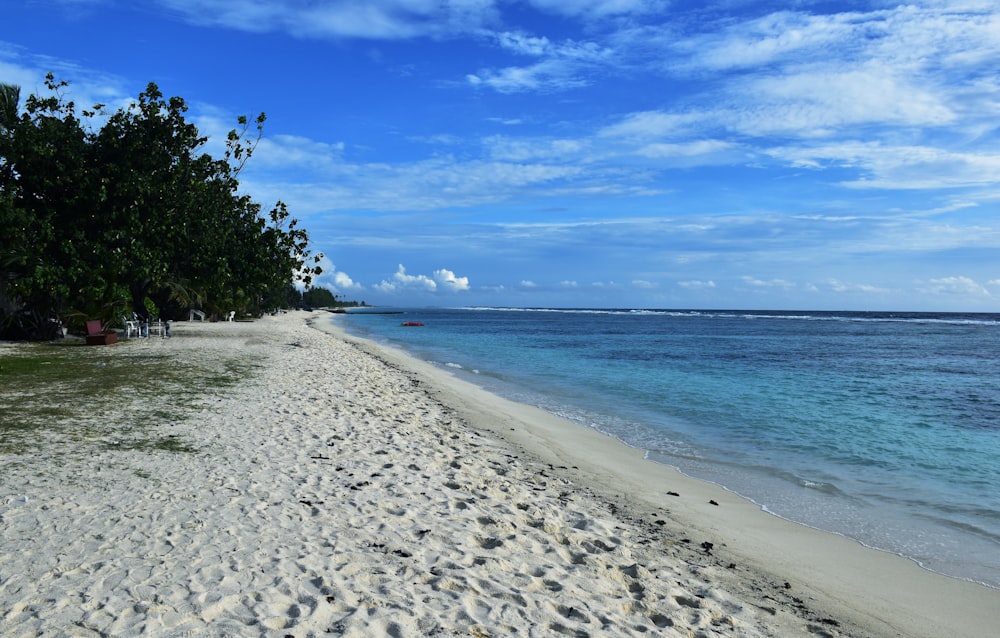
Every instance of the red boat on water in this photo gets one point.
(411, 324)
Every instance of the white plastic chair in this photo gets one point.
(131, 327)
(156, 327)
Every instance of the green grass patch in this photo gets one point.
(83, 394)
(169, 443)
(172, 444)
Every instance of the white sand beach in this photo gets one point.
(346, 489)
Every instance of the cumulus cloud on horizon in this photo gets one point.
(442, 279)
(335, 280)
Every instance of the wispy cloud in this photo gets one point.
(544, 76)
(600, 9)
(560, 66)
(373, 19)
(771, 38)
(670, 148)
(437, 183)
(841, 287)
(899, 167)
(956, 285)
(910, 82)
(695, 284)
(771, 283)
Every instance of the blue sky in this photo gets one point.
(626, 153)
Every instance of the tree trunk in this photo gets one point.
(138, 290)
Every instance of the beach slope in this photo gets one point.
(346, 489)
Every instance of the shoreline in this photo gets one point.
(791, 444)
(813, 439)
(348, 489)
(877, 592)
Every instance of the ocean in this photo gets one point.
(883, 427)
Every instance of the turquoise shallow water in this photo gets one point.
(884, 427)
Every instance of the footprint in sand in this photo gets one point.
(489, 542)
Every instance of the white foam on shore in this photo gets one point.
(340, 492)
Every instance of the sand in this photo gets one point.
(348, 490)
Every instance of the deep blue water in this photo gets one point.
(883, 427)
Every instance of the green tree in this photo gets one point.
(47, 200)
(151, 176)
(192, 229)
(135, 212)
(10, 100)
(319, 298)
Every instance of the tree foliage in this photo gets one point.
(132, 217)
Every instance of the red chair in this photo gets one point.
(100, 336)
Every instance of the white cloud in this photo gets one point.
(898, 167)
(506, 121)
(526, 283)
(798, 76)
(838, 286)
(561, 65)
(695, 153)
(449, 281)
(509, 149)
(496, 289)
(444, 278)
(646, 125)
(812, 103)
(402, 281)
(907, 36)
(687, 149)
(23, 76)
(771, 283)
(88, 87)
(523, 43)
(772, 37)
(643, 284)
(372, 19)
(819, 103)
(600, 8)
(545, 76)
(956, 286)
(439, 182)
(343, 282)
(293, 150)
(696, 284)
(333, 279)
(898, 75)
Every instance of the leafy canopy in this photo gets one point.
(133, 216)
